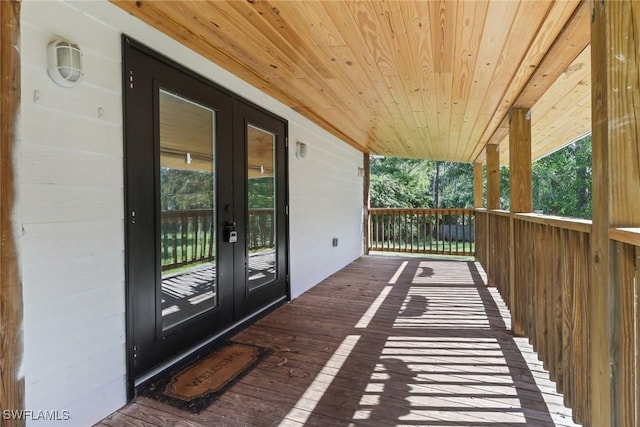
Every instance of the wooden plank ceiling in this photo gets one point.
(419, 79)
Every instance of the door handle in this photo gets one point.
(230, 232)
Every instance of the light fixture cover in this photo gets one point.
(301, 150)
(64, 63)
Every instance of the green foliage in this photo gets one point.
(411, 183)
(561, 182)
(505, 197)
(185, 189)
(402, 183)
(455, 185)
(261, 193)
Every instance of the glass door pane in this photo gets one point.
(261, 202)
(187, 204)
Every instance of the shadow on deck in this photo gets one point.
(385, 341)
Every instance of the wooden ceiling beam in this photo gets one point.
(570, 43)
(501, 133)
(529, 26)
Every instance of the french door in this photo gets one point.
(205, 183)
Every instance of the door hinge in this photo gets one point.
(286, 141)
(135, 352)
(286, 210)
(133, 217)
(130, 79)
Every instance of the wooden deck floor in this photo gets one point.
(385, 341)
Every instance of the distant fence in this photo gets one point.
(188, 236)
(425, 231)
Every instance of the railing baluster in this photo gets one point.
(395, 228)
(378, 236)
(400, 230)
(212, 238)
(450, 233)
(174, 227)
(430, 230)
(424, 232)
(196, 234)
(410, 231)
(372, 232)
(205, 226)
(183, 240)
(411, 247)
(443, 224)
(464, 240)
(406, 232)
(388, 227)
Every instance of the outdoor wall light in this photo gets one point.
(301, 150)
(64, 63)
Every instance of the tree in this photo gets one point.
(185, 189)
(456, 185)
(400, 183)
(411, 183)
(261, 194)
(561, 182)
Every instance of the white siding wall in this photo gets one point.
(70, 205)
(326, 202)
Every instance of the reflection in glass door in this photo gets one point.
(187, 204)
(261, 201)
(205, 177)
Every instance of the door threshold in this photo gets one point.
(231, 330)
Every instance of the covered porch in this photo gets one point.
(387, 340)
(431, 343)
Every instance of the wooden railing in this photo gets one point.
(261, 232)
(188, 236)
(425, 231)
(625, 362)
(499, 252)
(550, 260)
(482, 236)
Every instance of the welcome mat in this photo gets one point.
(195, 386)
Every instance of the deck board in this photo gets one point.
(435, 352)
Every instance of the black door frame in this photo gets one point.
(283, 200)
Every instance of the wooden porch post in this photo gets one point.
(520, 160)
(615, 90)
(11, 312)
(366, 164)
(520, 199)
(477, 185)
(493, 176)
(493, 202)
